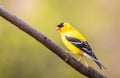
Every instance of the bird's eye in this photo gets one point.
(60, 25)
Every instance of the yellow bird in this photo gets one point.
(76, 42)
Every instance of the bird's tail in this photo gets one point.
(95, 60)
(99, 64)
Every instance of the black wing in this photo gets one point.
(82, 45)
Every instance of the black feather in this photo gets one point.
(60, 25)
(82, 45)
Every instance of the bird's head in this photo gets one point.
(63, 27)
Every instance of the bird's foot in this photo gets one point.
(69, 52)
(68, 58)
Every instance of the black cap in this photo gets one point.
(60, 25)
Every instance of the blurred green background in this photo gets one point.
(23, 57)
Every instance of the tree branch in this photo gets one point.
(87, 71)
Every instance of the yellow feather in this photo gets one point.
(68, 30)
(71, 47)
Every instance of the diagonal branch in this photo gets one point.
(87, 71)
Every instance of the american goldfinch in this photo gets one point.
(76, 42)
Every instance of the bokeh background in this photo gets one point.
(23, 57)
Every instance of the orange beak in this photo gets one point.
(57, 28)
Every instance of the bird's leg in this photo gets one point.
(79, 59)
(86, 64)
